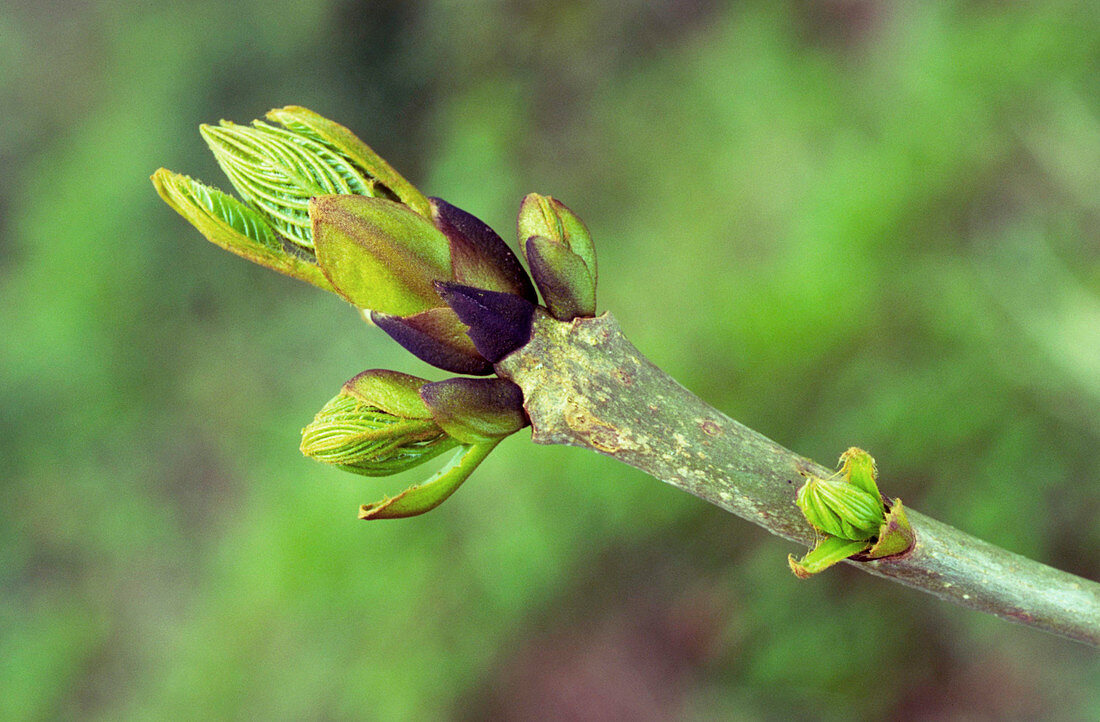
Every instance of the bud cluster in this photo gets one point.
(851, 516)
(317, 204)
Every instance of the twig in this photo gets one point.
(586, 385)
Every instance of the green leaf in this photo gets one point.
(388, 182)
(379, 254)
(228, 223)
(433, 492)
(828, 552)
(277, 171)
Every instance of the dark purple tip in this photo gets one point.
(437, 337)
(499, 322)
(479, 256)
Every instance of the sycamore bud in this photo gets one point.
(840, 508)
(560, 254)
(377, 425)
(852, 516)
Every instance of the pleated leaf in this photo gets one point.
(228, 223)
(277, 171)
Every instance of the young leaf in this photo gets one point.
(228, 223)
(828, 552)
(277, 171)
(388, 182)
(433, 492)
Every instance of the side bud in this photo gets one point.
(476, 411)
(376, 426)
(560, 254)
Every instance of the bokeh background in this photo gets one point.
(840, 222)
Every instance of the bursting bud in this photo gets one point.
(852, 517)
(560, 254)
(376, 426)
(276, 170)
(481, 261)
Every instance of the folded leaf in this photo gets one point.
(433, 492)
(228, 223)
(388, 182)
(277, 171)
(828, 552)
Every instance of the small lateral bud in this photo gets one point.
(560, 254)
(376, 426)
(562, 278)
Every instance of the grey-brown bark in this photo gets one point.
(586, 385)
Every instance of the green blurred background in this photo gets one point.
(839, 222)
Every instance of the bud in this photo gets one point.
(376, 426)
(562, 278)
(481, 261)
(476, 411)
(227, 222)
(563, 260)
(379, 254)
(840, 508)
